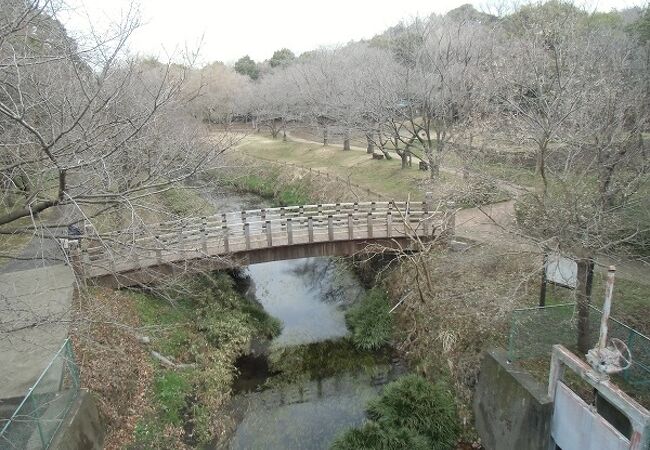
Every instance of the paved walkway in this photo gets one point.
(35, 307)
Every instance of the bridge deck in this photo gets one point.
(245, 231)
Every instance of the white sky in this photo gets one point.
(233, 28)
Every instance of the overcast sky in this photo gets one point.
(233, 28)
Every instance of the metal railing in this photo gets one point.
(41, 413)
(534, 331)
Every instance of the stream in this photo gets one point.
(309, 384)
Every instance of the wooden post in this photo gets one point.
(350, 227)
(330, 228)
(289, 231)
(158, 253)
(205, 234)
(269, 237)
(247, 235)
(369, 225)
(181, 242)
(310, 228)
(583, 299)
(542, 291)
(389, 224)
(226, 244)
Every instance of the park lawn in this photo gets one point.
(385, 177)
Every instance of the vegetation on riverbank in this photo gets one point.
(370, 321)
(411, 413)
(199, 325)
(203, 324)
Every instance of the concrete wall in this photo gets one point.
(83, 429)
(512, 410)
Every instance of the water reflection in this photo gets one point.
(307, 295)
(312, 384)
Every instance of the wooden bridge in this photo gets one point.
(253, 236)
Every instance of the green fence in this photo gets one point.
(534, 331)
(40, 414)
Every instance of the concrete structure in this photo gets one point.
(253, 236)
(512, 410)
(83, 428)
(35, 308)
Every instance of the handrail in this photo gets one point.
(237, 231)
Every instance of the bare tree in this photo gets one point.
(83, 125)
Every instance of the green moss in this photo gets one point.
(370, 321)
(411, 413)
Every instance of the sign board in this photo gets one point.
(561, 270)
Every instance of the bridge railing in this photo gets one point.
(228, 233)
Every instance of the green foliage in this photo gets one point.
(370, 321)
(282, 57)
(269, 186)
(372, 436)
(202, 320)
(171, 390)
(411, 413)
(246, 66)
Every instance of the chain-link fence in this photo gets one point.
(39, 416)
(534, 331)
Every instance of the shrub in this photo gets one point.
(370, 321)
(411, 413)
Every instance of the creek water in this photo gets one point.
(309, 384)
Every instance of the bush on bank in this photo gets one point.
(411, 413)
(370, 321)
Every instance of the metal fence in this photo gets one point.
(534, 331)
(39, 416)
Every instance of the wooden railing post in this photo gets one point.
(369, 224)
(247, 235)
(310, 228)
(181, 242)
(427, 219)
(350, 227)
(330, 228)
(269, 237)
(158, 252)
(226, 244)
(289, 231)
(205, 234)
(389, 224)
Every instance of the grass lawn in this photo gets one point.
(385, 177)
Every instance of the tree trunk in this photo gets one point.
(346, 140)
(370, 149)
(324, 136)
(540, 168)
(583, 299)
(405, 159)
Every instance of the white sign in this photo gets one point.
(561, 270)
